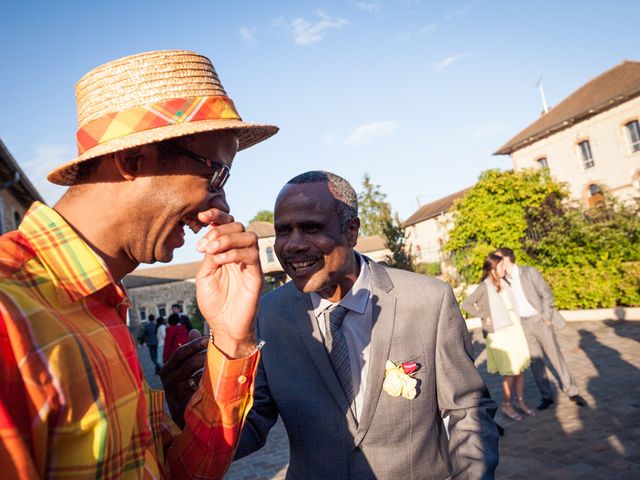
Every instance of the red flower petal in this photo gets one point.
(409, 367)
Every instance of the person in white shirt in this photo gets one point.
(536, 306)
(161, 334)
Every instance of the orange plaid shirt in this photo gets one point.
(73, 399)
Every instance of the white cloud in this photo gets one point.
(371, 7)
(488, 131)
(442, 65)
(365, 134)
(307, 33)
(47, 157)
(247, 34)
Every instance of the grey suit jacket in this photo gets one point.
(540, 296)
(414, 318)
(477, 304)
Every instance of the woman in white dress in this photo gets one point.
(161, 333)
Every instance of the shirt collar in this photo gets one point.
(515, 273)
(356, 299)
(75, 269)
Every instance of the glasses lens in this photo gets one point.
(219, 177)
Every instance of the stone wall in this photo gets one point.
(9, 206)
(150, 297)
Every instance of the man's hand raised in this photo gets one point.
(229, 283)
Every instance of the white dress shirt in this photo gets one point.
(524, 307)
(356, 328)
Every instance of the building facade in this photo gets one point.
(590, 140)
(16, 192)
(427, 230)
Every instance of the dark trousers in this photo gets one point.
(153, 351)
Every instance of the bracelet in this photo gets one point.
(258, 346)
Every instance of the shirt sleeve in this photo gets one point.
(213, 418)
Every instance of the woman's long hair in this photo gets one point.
(489, 269)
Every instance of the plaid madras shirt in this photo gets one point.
(73, 399)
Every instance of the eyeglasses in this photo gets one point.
(221, 171)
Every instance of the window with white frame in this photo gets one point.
(270, 254)
(633, 129)
(542, 162)
(162, 309)
(142, 312)
(586, 155)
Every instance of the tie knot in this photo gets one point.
(336, 317)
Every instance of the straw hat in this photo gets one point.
(148, 98)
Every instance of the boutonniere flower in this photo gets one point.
(398, 379)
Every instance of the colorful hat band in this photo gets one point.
(156, 115)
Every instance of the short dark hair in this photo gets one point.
(151, 317)
(345, 197)
(175, 305)
(507, 252)
(174, 319)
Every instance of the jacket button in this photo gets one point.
(242, 379)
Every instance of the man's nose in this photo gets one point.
(218, 199)
(297, 241)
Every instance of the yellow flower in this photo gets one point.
(397, 383)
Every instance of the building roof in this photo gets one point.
(370, 244)
(12, 176)
(433, 209)
(609, 89)
(143, 277)
(262, 229)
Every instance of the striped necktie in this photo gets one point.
(337, 348)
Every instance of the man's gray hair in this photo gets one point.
(345, 196)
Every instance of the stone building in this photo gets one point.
(154, 290)
(373, 247)
(274, 275)
(16, 192)
(427, 230)
(590, 140)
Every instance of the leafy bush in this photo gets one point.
(590, 257)
(433, 269)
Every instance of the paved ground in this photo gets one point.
(564, 442)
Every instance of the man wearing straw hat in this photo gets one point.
(156, 139)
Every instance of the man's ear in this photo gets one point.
(129, 163)
(352, 231)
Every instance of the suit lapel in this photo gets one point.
(308, 326)
(383, 312)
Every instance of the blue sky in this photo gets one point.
(417, 93)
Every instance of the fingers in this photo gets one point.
(214, 216)
(194, 333)
(186, 351)
(221, 239)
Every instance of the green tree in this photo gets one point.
(374, 210)
(393, 233)
(195, 317)
(495, 213)
(263, 216)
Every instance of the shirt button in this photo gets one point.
(242, 379)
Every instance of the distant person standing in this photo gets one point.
(507, 350)
(539, 316)
(161, 334)
(177, 335)
(150, 338)
(184, 320)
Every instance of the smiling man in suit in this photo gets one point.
(329, 336)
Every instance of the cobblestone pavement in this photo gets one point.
(563, 442)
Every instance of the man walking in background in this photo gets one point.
(184, 319)
(539, 317)
(150, 338)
